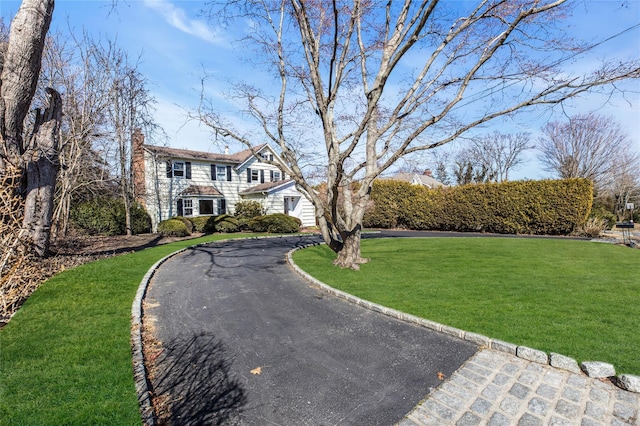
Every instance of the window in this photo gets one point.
(221, 173)
(255, 175)
(205, 207)
(275, 176)
(187, 206)
(178, 169)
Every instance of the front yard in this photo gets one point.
(576, 298)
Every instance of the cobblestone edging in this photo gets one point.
(593, 369)
(139, 370)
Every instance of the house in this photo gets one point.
(424, 179)
(177, 182)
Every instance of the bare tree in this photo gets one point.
(71, 64)
(625, 182)
(381, 80)
(130, 106)
(589, 146)
(499, 153)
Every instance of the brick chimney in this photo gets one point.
(428, 173)
(137, 166)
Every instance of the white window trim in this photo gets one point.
(182, 170)
(221, 173)
(187, 204)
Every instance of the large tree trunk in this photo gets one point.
(41, 172)
(349, 256)
(21, 68)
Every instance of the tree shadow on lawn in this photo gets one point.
(194, 384)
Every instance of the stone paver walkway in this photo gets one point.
(496, 388)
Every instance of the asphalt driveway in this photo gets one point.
(247, 341)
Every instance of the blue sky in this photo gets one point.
(176, 45)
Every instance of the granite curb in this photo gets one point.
(593, 369)
(147, 413)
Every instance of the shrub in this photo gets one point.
(249, 209)
(200, 223)
(608, 218)
(275, 223)
(106, 216)
(173, 228)
(593, 227)
(140, 220)
(223, 223)
(187, 223)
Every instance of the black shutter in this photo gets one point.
(179, 206)
(261, 176)
(249, 175)
(187, 172)
(228, 173)
(271, 175)
(169, 169)
(222, 206)
(213, 172)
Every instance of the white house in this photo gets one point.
(177, 182)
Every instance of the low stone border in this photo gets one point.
(593, 369)
(139, 370)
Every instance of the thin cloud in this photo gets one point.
(178, 18)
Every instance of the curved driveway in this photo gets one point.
(247, 341)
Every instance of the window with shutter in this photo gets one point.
(261, 176)
(187, 169)
(178, 169)
(221, 171)
(213, 172)
(248, 175)
(228, 173)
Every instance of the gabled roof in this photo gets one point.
(417, 178)
(267, 187)
(236, 158)
(201, 190)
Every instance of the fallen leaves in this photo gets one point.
(256, 371)
(441, 375)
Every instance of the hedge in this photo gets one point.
(547, 207)
(106, 216)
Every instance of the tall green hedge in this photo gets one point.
(548, 207)
(106, 216)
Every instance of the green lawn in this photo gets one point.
(65, 357)
(577, 298)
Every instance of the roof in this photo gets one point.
(418, 178)
(201, 190)
(236, 158)
(267, 187)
